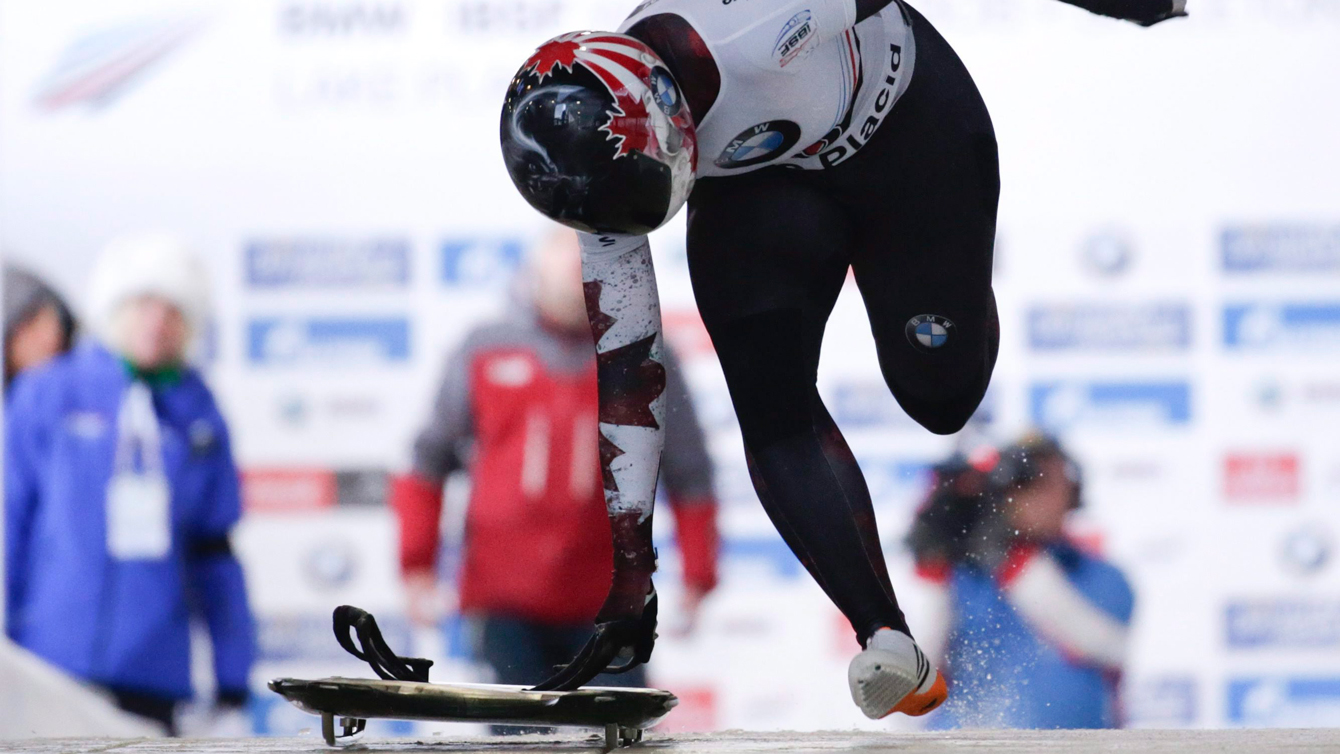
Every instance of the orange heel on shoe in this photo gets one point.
(916, 705)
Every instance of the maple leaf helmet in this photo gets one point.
(597, 135)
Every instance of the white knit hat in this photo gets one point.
(158, 264)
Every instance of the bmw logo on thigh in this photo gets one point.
(927, 332)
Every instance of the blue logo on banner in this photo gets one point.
(895, 480)
(480, 262)
(1284, 702)
(1154, 327)
(1161, 702)
(328, 341)
(328, 263)
(868, 404)
(1291, 624)
(303, 638)
(856, 404)
(1060, 406)
(1296, 327)
(1281, 248)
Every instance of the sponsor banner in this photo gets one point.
(293, 490)
(1161, 702)
(1281, 248)
(1136, 471)
(1306, 551)
(328, 263)
(494, 18)
(1110, 327)
(307, 638)
(1303, 327)
(1283, 624)
(895, 481)
(331, 564)
(1261, 477)
(1284, 702)
(287, 490)
(1102, 405)
(365, 487)
(341, 19)
(1274, 395)
(298, 410)
(481, 262)
(1107, 254)
(770, 551)
(862, 404)
(328, 342)
(101, 66)
(857, 404)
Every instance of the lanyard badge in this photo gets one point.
(139, 510)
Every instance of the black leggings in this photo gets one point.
(914, 215)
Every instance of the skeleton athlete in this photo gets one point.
(807, 137)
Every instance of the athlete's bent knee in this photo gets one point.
(943, 417)
(943, 400)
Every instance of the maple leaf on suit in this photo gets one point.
(630, 380)
(600, 321)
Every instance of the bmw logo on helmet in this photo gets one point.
(927, 332)
(665, 91)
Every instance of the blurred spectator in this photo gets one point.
(120, 494)
(536, 565)
(1037, 626)
(38, 324)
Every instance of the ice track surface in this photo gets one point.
(977, 742)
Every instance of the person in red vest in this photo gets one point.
(537, 552)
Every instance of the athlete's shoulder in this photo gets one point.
(649, 8)
(715, 20)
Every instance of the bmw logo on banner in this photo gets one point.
(927, 332)
(758, 144)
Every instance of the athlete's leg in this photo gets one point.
(768, 257)
(926, 190)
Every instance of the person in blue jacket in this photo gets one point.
(121, 492)
(1038, 626)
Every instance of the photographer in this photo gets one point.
(1038, 627)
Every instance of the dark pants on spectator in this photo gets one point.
(153, 708)
(525, 652)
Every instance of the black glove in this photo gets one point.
(629, 639)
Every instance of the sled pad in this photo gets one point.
(622, 712)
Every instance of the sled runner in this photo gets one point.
(404, 693)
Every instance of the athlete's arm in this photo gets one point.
(625, 313)
(1143, 12)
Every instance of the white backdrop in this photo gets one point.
(1168, 277)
